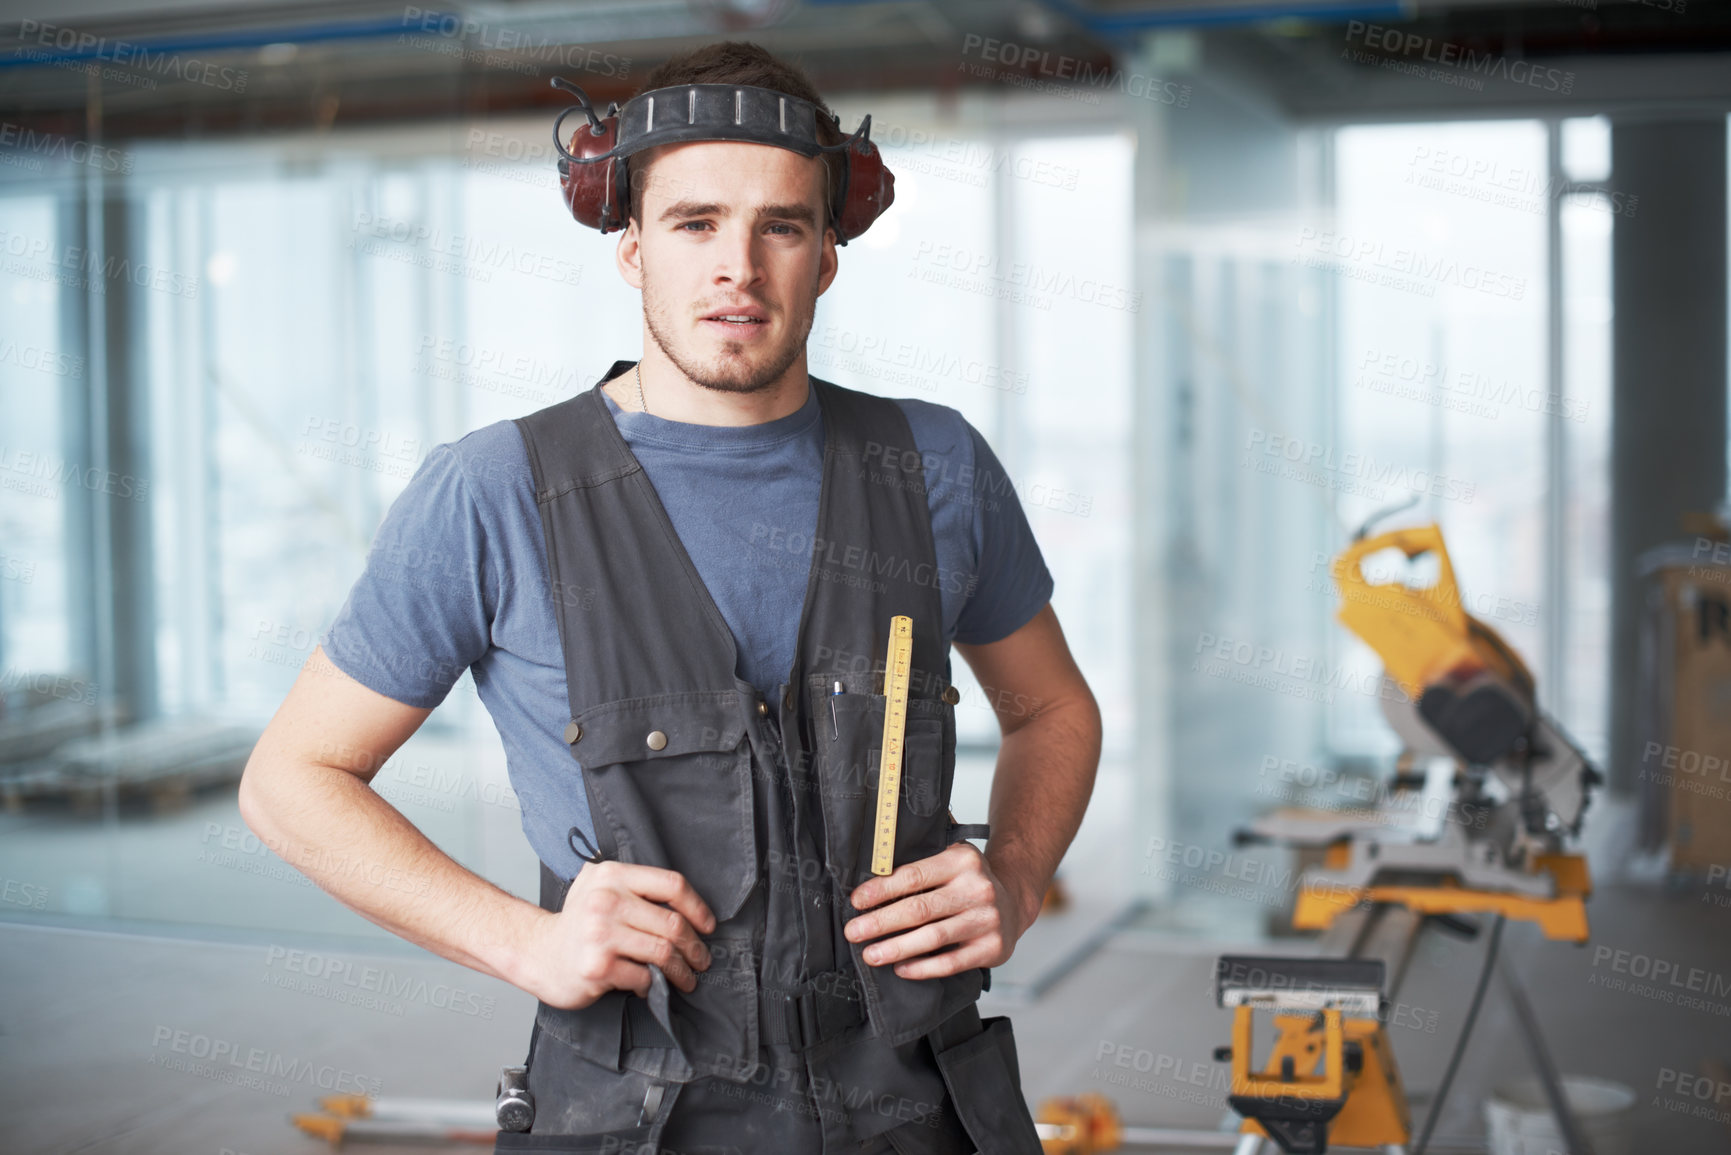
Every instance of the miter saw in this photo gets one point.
(1513, 788)
(1506, 791)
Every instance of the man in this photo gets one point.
(673, 592)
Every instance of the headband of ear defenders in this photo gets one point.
(594, 171)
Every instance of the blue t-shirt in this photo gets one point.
(457, 575)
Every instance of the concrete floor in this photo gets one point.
(124, 1043)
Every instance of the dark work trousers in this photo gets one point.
(774, 1109)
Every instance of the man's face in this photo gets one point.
(731, 254)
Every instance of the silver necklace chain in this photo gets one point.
(637, 371)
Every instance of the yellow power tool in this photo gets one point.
(1513, 789)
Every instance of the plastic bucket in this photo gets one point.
(1520, 1122)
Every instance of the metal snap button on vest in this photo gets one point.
(787, 700)
(657, 740)
(762, 708)
(952, 695)
(573, 731)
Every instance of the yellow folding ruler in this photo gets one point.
(897, 672)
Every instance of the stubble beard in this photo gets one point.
(732, 373)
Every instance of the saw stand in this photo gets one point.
(1331, 1009)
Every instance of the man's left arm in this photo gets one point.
(971, 908)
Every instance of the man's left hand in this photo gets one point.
(952, 902)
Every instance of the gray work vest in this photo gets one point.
(764, 806)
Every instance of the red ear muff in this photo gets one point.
(591, 177)
(591, 189)
(868, 188)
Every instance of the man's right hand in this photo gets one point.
(617, 919)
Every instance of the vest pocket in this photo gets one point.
(671, 775)
(670, 778)
(984, 1079)
(594, 1032)
(847, 758)
(585, 1109)
(847, 751)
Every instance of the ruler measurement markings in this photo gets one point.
(898, 672)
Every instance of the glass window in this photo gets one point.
(1581, 696)
(39, 380)
(1439, 248)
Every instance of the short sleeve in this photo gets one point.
(1012, 581)
(420, 613)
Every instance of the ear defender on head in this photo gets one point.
(587, 168)
(594, 170)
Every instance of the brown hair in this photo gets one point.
(742, 62)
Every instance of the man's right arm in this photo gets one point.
(306, 793)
